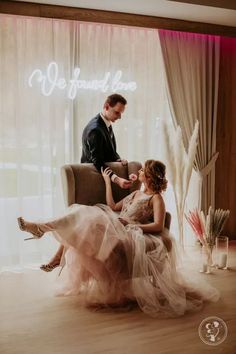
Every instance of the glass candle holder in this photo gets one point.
(222, 250)
(206, 260)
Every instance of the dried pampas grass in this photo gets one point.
(179, 164)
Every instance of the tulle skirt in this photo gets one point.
(108, 264)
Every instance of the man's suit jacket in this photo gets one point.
(97, 144)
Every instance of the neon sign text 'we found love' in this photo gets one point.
(50, 81)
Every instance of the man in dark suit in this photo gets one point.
(98, 139)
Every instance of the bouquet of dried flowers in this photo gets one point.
(207, 228)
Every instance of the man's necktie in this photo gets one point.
(112, 136)
(111, 132)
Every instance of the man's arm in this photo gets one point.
(96, 149)
(96, 146)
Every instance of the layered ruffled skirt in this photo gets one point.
(108, 264)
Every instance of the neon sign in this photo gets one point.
(50, 81)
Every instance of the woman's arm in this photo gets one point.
(109, 197)
(159, 212)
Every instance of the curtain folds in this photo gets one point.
(33, 141)
(38, 133)
(192, 72)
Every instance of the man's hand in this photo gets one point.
(123, 183)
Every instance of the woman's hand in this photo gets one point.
(123, 221)
(106, 174)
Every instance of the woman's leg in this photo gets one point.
(55, 260)
(39, 229)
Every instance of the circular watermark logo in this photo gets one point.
(213, 330)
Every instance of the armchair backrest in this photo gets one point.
(83, 184)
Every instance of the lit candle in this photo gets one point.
(223, 260)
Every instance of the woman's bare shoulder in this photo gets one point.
(158, 198)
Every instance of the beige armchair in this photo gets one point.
(83, 184)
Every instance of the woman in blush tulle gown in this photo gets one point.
(115, 260)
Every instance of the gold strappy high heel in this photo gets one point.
(30, 227)
(49, 267)
(58, 261)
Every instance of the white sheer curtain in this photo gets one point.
(137, 53)
(40, 133)
(33, 139)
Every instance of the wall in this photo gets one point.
(226, 134)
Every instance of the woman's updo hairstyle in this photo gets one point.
(155, 171)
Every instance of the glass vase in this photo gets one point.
(206, 259)
(222, 250)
